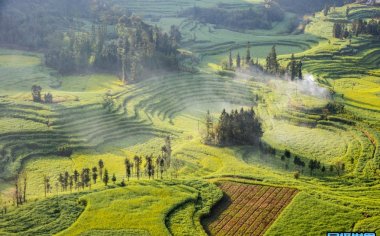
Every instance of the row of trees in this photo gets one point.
(235, 128)
(272, 65)
(154, 167)
(359, 26)
(312, 165)
(247, 60)
(77, 180)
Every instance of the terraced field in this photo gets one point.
(175, 104)
(248, 209)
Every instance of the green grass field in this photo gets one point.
(175, 104)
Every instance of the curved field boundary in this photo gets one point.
(247, 209)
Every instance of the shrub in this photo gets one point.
(297, 175)
(65, 151)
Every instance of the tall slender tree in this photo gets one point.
(94, 174)
(106, 177)
(230, 61)
(128, 168)
(114, 179)
(272, 65)
(137, 164)
(101, 166)
(248, 55)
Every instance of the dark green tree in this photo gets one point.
(137, 163)
(230, 61)
(36, 93)
(101, 166)
(114, 179)
(94, 174)
(128, 168)
(248, 55)
(292, 67)
(149, 166)
(272, 65)
(106, 177)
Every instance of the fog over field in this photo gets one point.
(208, 117)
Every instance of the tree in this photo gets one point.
(292, 67)
(86, 177)
(313, 164)
(66, 180)
(167, 151)
(106, 177)
(161, 163)
(287, 153)
(209, 128)
(149, 166)
(299, 70)
(230, 61)
(272, 65)
(123, 47)
(48, 98)
(248, 55)
(323, 169)
(76, 178)
(340, 167)
(20, 188)
(175, 36)
(61, 181)
(25, 178)
(46, 185)
(238, 61)
(137, 163)
(297, 175)
(101, 166)
(128, 168)
(94, 174)
(36, 93)
(176, 165)
(326, 10)
(338, 30)
(113, 178)
(71, 183)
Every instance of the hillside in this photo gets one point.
(129, 143)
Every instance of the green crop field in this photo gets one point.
(205, 182)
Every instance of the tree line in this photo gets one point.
(358, 27)
(272, 65)
(313, 165)
(154, 167)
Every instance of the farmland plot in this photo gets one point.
(248, 209)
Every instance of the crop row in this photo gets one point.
(252, 208)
